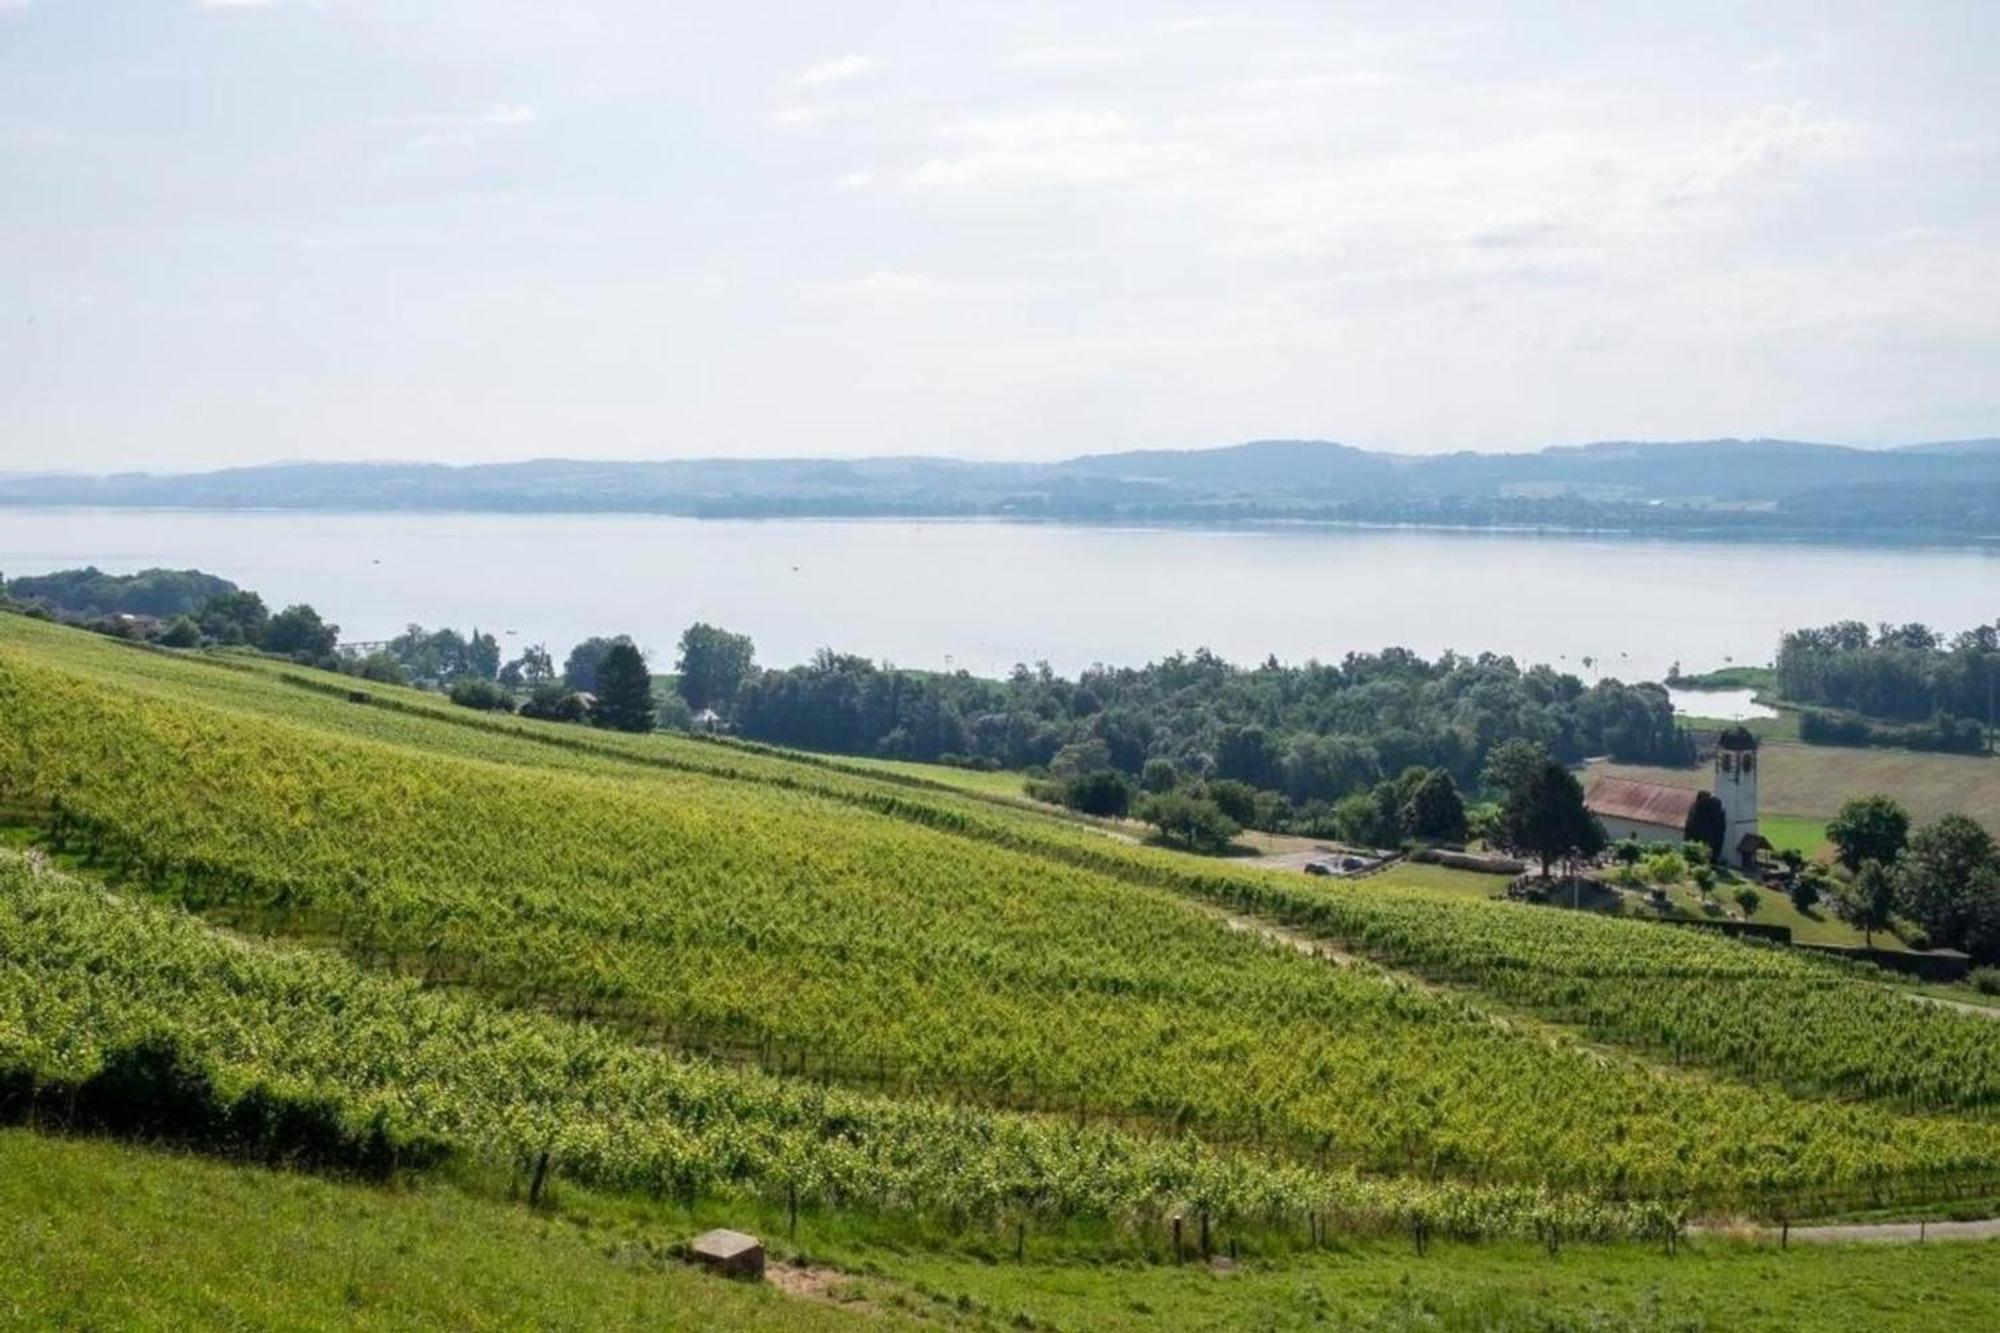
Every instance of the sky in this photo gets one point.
(235, 231)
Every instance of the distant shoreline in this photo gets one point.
(1693, 533)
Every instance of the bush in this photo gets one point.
(1107, 793)
(1194, 822)
(1749, 900)
(471, 692)
(1985, 980)
(180, 632)
(554, 703)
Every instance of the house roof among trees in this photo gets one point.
(1641, 802)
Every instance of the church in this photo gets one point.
(1657, 812)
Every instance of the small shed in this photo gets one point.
(1750, 847)
(730, 1253)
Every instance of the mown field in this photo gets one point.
(1811, 781)
(357, 926)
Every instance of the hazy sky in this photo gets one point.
(491, 229)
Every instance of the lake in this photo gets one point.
(983, 595)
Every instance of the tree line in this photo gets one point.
(1945, 685)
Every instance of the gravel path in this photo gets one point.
(1891, 1233)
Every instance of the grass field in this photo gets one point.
(96, 1235)
(1811, 781)
(991, 783)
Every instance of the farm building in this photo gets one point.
(1657, 812)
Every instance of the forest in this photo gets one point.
(1945, 686)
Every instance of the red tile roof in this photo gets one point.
(1641, 802)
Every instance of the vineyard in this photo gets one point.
(894, 994)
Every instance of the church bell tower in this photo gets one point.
(1736, 787)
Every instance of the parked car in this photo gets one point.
(1318, 868)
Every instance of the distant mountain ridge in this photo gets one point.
(1946, 488)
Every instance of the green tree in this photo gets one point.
(1238, 800)
(1545, 816)
(378, 666)
(1869, 828)
(1194, 822)
(472, 692)
(580, 667)
(624, 690)
(482, 655)
(1869, 903)
(1511, 764)
(1434, 811)
(1707, 824)
(1804, 893)
(712, 666)
(1160, 775)
(1950, 881)
(180, 632)
(1749, 900)
(234, 617)
(532, 668)
(552, 701)
(1107, 792)
(298, 632)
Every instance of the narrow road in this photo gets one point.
(1964, 1007)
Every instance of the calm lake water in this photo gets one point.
(984, 595)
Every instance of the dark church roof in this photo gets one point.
(1641, 802)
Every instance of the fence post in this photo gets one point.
(1179, 1256)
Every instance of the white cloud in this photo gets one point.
(836, 69)
(889, 285)
(499, 115)
(793, 116)
(1065, 58)
(855, 180)
(1052, 148)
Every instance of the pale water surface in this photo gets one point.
(984, 595)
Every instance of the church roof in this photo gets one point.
(1641, 802)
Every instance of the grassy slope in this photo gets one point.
(1714, 1285)
(998, 783)
(100, 1235)
(1812, 780)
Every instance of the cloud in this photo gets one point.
(836, 69)
(1762, 147)
(237, 4)
(1060, 58)
(889, 285)
(792, 116)
(1040, 148)
(855, 180)
(499, 115)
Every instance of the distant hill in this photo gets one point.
(1731, 486)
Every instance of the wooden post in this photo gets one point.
(792, 1210)
(1179, 1256)
(1205, 1251)
(1020, 1240)
(1784, 1233)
